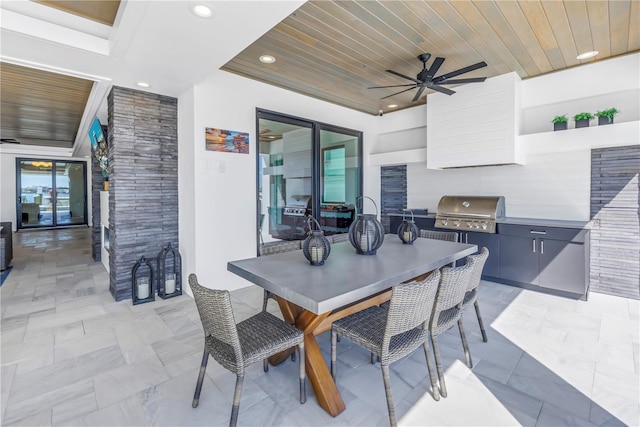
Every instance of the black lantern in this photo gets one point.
(169, 273)
(366, 233)
(142, 282)
(316, 247)
(407, 231)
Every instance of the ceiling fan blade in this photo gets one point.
(442, 89)
(418, 94)
(460, 71)
(437, 63)
(397, 93)
(458, 81)
(403, 76)
(382, 87)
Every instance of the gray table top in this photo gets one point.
(346, 277)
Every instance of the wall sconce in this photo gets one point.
(142, 282)
(366, 233)
(316, 247)
(169, 273)
(407, 231)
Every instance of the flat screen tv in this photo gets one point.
(99, 147)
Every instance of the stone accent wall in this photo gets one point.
(97, 185)
(143, 181)
(393, 193)
(615, 211)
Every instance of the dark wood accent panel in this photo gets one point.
(615, 211)
(393, 193)
(143, 181)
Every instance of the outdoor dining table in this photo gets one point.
(313, 297)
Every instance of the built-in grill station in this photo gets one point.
(473, 213)
(297, 205)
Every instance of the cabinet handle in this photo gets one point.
(466, 237)
(541, 246)
(537, 232)
(534, 245)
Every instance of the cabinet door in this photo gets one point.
(491, 242)
(562, 266)
(519, 259)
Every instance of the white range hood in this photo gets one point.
(476, 126)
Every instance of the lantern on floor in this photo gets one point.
(315, 247)
(169, 272)
(407, 231)
(366, 233)
(142, 282)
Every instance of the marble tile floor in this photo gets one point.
(71, 356)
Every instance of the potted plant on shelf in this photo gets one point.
(560, 122)
(582, 119)
(605, 117)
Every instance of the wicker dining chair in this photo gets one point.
(471, 297)
(448, 311)
(449, 236)
(339, 238)
(394, 333)
(236, 346)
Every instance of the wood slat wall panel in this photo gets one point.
(619, 13)
(579, 21)
(599, 22)
(634, 27)
(539, 24)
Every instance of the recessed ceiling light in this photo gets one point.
(202, 10)
(392, 105)
(267, 59)
(587, 55)
(143, 84)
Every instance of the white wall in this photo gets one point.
(222, 222)
(8, 155)
(555, 182)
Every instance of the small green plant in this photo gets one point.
(608, 113)
(583, 116)
(560, 119)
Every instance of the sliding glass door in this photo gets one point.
(51, 193)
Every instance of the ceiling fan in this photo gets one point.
(426, 78)
(266, 135)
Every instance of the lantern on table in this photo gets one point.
(142, 282)
(315, 247)
(169, 272)
(366, 233)
(407, 231)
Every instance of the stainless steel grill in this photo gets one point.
(472, 213)
(298, 205)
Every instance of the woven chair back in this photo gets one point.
(453, 286)
(271, 248)
(216, 314)
(411, 305)
(449, 236)
(477, 263)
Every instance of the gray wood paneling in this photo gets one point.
(143, 181)
(393, 193)
(615, 211)
(97, 184)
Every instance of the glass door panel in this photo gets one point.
(35, 205)
(70, 193)
(340, 178)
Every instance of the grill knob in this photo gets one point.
(476, 225)
(456, 223)
(484, 225)
(444, 222)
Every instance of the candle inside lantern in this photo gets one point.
(406, 236)
(170, 284)
(316, 254)
(366, 238)
(143, 287)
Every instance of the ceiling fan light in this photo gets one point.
(267, 59)
(587, 55)
(392, 106)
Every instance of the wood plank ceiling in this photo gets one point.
(44, 108)
(334, 50)
(39, 107)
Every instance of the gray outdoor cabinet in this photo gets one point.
(489, 241)
(549, 257)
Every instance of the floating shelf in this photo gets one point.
(415, 155)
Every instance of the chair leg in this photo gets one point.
(334, 339)
(373, 358)
(265, 365)
(236, 401)
(265, 299)
(302, 365)
(387, 391)
(203, 369)
(436, 354)
(432, 374)
(465, 344)
(480, 322)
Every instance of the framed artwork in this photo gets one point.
(228, 141)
